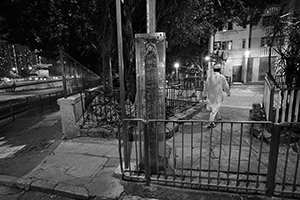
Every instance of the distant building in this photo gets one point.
(246, 49)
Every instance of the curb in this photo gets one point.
(9, 181)
(60, 189)
(50, 187)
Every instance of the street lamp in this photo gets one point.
(176, 65)
(247, 54)
(207, 58)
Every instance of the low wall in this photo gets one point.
(32, 85)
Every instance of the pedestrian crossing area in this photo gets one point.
(7, 150)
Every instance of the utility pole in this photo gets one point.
(121, 76)
(151, 17)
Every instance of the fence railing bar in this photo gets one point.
(210, 151)
(220, 154)
(278, 106)
(290, 112)
(157, 149)
(192, 148)
(146, 156)
(182, 151)
(135, 136)
(229, 159)
(296, 172)
(271, 104)
(284, 106)
(259, 160)
(139, 123)
(286, 160)
(240, 153)
(297, 107)
(273, 158)
(165, 151)
(249, 156)
(200, 160)
(174, 152)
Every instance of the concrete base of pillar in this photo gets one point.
(71, 111)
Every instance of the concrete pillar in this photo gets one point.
(71, 111)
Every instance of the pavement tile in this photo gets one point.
(62, 167)
(104, 185)
(83, 148)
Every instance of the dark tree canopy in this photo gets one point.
(85, 29)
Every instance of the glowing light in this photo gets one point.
(176, 65)
(207, 58)
(247, 53)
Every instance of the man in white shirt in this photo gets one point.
(216, 85)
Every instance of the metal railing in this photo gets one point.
(103, 108)
(226, 158)
(76, 77)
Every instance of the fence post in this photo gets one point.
(271, 117)
(273, 157)
(146, 157)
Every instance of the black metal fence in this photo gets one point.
(102, 108)
(229, 157)
(76, 77)
(16, 108)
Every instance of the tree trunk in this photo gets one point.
(128, 52)
(107, 75)
(106, 59)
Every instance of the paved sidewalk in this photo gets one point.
(87, 168)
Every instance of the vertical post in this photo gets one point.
(63, 73)
(271, 113)
(146, 157)
(273, 157)
(121, 75)
(151, 18)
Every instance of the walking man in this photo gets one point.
(214, 89)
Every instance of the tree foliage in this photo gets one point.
(87, 29)
(290, 55)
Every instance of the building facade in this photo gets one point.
(246, 50)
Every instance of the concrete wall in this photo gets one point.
(32, 85)
(71, 111)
